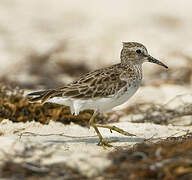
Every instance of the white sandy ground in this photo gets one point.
(81, 150)
(81, 153)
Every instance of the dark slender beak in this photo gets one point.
(153, 60)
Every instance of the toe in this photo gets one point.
(104, 144)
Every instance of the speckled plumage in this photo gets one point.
(105, 88)
(104, 82)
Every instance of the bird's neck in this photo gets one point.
(137, 69)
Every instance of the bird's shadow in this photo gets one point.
(96, 140)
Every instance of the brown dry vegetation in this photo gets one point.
(159, 114)
(154, 113)
(167, 159)
(35, 171)
(15, 107)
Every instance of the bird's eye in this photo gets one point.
(138, 51)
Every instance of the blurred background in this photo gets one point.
(44, 44)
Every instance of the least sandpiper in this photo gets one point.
(102, 89)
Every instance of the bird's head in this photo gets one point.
(136, 53)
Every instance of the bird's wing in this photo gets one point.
(96, 84)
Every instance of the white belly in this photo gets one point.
(101, 104)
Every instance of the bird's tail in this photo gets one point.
(42, 95)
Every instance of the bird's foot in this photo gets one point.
(104, 143)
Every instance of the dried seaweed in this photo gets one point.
(167, 159)
(15, 107)
(29, 171)
(177, 111)
(158, 114)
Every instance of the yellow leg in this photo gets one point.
(101, 140)
(114, 128)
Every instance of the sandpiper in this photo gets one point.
(102, 89)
